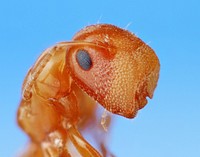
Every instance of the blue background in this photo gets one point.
(169, 126)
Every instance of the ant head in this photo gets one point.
(114, 67)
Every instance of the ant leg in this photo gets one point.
(54, 145)
(83, 147)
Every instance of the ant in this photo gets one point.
(103, 63)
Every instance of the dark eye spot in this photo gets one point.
(83, 59)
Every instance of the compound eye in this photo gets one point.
(84, 60)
